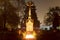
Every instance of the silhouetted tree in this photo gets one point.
(48, 19)
(1, 12)
(53, 16)
(8, 15)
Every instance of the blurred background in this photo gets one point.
(46, 14)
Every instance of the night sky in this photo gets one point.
(43, 6)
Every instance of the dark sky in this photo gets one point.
(43, 6)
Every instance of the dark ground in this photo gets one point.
(47, 35)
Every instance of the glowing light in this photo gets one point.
(29, 36)
(29, 26)
(29, 21)
(19, 26)
(30, 33)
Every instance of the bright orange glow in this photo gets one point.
(29, 21)
(28, 36)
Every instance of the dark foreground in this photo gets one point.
(44, 35)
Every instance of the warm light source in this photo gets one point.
(28, 36)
